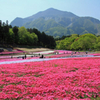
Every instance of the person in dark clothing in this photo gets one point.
(25, 56)
(86, 52)
(42, 56)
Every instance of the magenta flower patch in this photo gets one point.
(63, 79)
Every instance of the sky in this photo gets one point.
(10, 9)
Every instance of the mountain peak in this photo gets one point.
(51, 9)
(50, 13)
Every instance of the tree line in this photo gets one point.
(22, 36)
(79, 42)
(33, 37)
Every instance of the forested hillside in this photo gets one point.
(58, 23)
(79, 42)
(21, 36)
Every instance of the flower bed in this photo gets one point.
(63, 79)
(63, 51)
(95, 54)
(12, 52)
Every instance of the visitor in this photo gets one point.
(42, 56)
(86, 52)
(25, 56)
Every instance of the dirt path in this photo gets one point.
(34, 49)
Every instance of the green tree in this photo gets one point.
(1, 31)
(10, 36)
(97, 46)
(27, 38)
(84, 42)
(38, 33)
(52, 43)
(5, 32)
(66, 43)
(15, 38)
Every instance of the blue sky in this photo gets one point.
(10, 9)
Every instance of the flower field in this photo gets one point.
(62, 79)
(12, 52)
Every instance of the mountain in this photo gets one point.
(50, 13)
(58, 23)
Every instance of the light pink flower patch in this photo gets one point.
(96, 54)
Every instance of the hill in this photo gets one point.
(58, 23)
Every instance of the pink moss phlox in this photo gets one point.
(63, 79)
